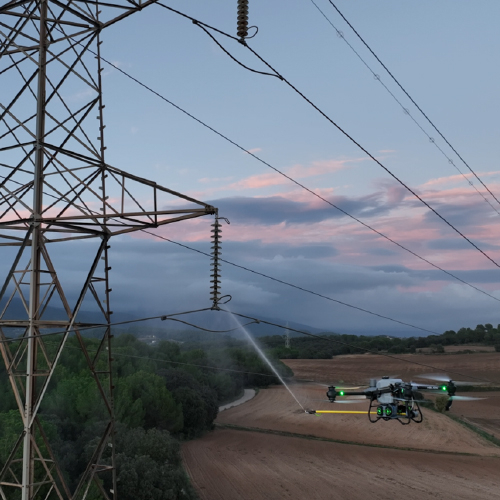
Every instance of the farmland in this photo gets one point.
(270, 448)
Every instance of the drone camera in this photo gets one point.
(388, 411)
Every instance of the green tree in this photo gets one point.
(142, 399)
(149, 467)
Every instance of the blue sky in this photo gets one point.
(443, 53)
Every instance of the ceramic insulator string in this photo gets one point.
(242, 19)
(215, 271)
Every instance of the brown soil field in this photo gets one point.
(269, 448)
(359, 368)
(231, 464)
(275, 409)
(484, 413)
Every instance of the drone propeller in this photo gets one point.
(412, 400)
(438, 377)
(465, 398)
(339, 387)
(343, 401)
(350, 401)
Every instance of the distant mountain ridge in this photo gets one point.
(211, 320)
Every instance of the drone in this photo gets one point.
(397, 400)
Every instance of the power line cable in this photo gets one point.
(291, 179)
(205, 27)
(411, 99)
(105, 325)
(405, 110)
(268, 277)
(182, 363)
(261, 274)
(329, 339)
(283, 327)
(292, 285)
(253, 320)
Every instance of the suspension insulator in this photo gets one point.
(242, 19)
(215, 265)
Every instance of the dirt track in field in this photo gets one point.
(260, 464)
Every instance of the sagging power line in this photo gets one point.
(205, 27)
(377, 77)
(297, 183)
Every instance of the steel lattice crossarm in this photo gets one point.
(88, 15)
(55, 188)
(72, 214)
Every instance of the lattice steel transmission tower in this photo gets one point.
(286, 336)
(58, 200)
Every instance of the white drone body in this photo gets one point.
(384, 383)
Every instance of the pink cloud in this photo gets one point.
(408, 223)
(442, 181)
(317, 168)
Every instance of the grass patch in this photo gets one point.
(475, 429)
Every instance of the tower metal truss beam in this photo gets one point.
(57, 192)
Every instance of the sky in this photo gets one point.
(443, 55)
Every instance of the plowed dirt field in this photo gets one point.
(359, 368)
(269, 448)
(235, 465)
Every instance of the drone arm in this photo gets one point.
(354, 393)
(333, 393)
(426, 387)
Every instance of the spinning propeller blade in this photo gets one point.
(439, 377)
(340, 387)
(350, 401)
(343, 401)
(412, 400)
(465, 398)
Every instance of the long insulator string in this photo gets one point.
(215, 257)
(215, 271)
(242, 19)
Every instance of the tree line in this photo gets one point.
(335, 344)
(163, 394)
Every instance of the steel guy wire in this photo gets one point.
(291, 179)
(205, 26)
(431, 139)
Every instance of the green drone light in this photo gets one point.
(444, 388)
(341, 393)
